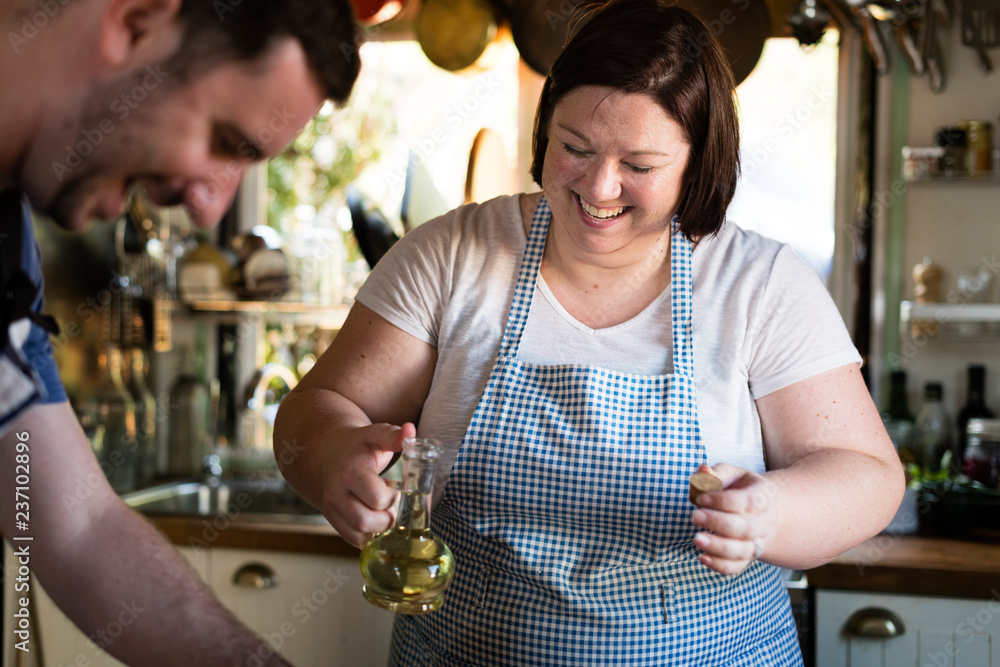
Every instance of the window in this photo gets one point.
(788, 121)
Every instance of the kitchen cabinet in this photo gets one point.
(864, 629)
(308, 606)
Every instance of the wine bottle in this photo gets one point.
(898, 419)
(974, 408)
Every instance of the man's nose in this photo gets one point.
(208, 198)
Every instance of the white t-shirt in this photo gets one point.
(762, 321)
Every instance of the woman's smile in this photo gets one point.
(598, 216)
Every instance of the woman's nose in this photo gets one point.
(605, 184)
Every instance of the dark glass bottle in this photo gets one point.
(974, 408)
(898, 419)
(136, 367)
(188, 432)
(112, 409)
(933, 428)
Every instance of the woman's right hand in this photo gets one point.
(357, 501)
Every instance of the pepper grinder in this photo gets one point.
(927, 279)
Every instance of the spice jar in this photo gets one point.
(927, 289)
(981, 462)
(953, 141)
(978, 146)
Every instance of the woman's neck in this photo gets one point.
(606, 291)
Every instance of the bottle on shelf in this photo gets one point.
(898, 419)
(189, 407)
(136, 366)
(933, 428)
(974, 407)
(112, 408)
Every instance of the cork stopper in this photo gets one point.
(703, 482)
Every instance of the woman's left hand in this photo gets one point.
(737, 522)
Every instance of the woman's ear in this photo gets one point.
(136, 31)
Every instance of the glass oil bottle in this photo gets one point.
(407, 568)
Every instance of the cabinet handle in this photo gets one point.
(875, 622)
(255, 575)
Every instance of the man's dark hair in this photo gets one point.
(650, 47)
(226, 30)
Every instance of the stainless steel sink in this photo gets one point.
(250, 498)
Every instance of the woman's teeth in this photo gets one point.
(600, 213)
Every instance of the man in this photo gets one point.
(97, 97)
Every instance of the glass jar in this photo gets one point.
(978, 146)
(981, 462)
(953, 141)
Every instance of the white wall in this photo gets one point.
(956, 224)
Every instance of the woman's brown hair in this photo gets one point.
(652, 48)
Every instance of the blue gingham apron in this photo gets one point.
(568, 515)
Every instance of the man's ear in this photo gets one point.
(139, 30)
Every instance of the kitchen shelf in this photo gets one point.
(988, 178)
(956, 321)
(932, 175)
(331, 316)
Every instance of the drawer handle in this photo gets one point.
(875, 622)
(255, 575)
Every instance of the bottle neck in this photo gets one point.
(414, 515)
(974, 397)
(414, 512)
(898, 408)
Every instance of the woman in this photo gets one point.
(581, 352)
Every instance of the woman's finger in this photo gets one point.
(725, 548)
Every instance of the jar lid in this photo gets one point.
(986, 429)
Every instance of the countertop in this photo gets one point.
(885, 563)
(917, 565)
(259, 533)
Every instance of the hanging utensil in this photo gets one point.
(980, 28)
(931, 49)
(843, 14)
(906, 38)
(874, 39)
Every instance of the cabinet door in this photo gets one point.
(936, 632)
(62, 643)
(308, 607)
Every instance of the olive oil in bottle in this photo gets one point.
(407, 568)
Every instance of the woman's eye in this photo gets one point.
(572, 150)
(639, 170)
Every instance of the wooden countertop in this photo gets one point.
(298, 537)
(886, 563)
(915, 564)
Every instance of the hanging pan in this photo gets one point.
(540, 29)
(454, 33)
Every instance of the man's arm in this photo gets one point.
(94, 555)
